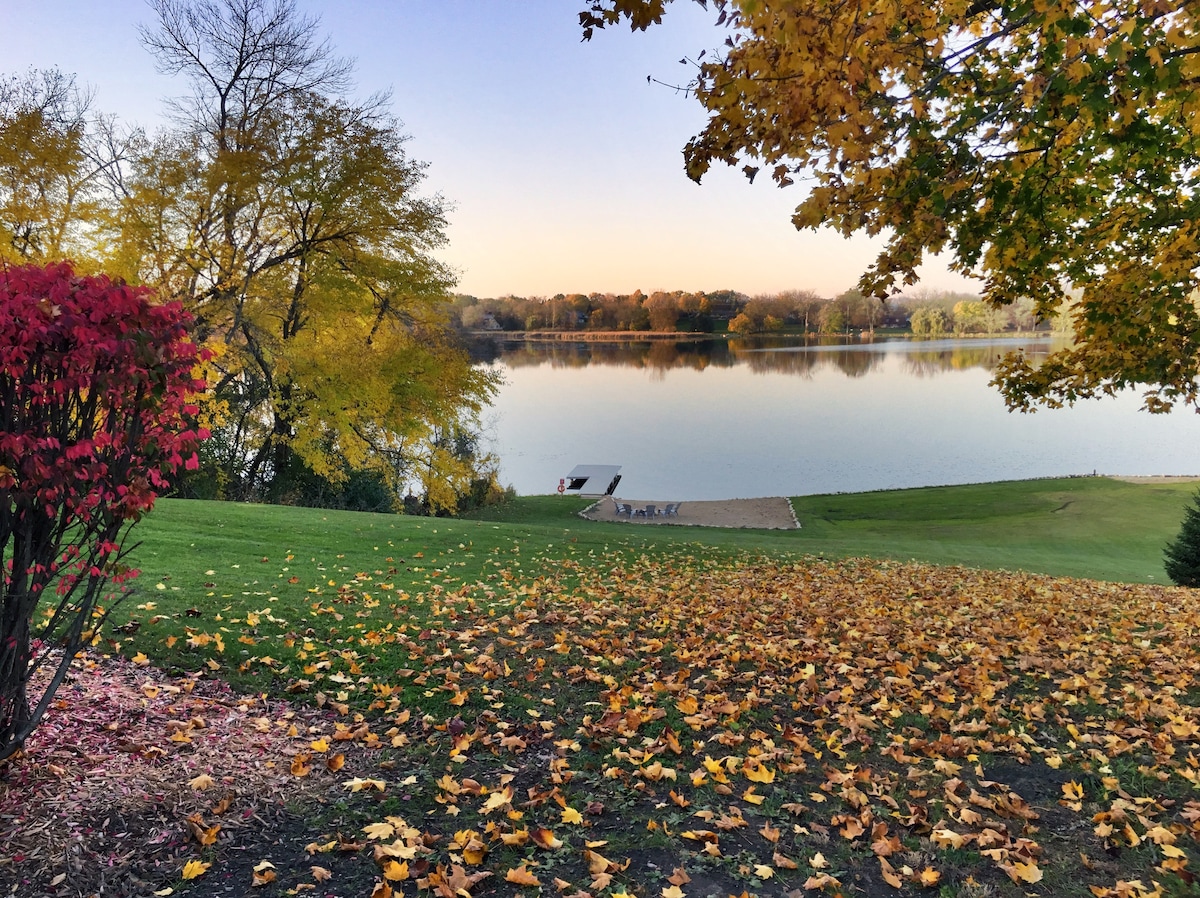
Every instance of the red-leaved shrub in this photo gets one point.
(96, 416)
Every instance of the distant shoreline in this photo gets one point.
(693, 336)
(596, 336)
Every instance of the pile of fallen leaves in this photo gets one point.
(678, 727)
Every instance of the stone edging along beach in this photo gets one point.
(774, 513)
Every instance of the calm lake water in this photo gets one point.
(718, 420)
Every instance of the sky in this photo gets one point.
(562, 166)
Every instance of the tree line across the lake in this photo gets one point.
(925, 313)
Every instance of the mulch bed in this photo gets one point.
(132, 770)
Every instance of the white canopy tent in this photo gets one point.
(593, 480)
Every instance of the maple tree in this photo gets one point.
(96, 387)
(1048, 148)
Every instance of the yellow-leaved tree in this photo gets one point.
(1049, 148)
(290, 223)
(55, 159)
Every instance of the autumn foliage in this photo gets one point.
(95, 417)
(1047, 149)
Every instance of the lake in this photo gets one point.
(748, 418)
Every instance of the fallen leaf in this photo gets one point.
(543, 838)
(570, 815)
(395, 871)
(192, 869)
(521, 876)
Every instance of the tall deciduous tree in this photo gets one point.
(1046, 147)
(50, 166)
(289, 222)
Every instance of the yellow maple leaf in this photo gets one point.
(376, 831)
(570, 815)
(1020, 871)
(672, 892)
(192, 869)
(202, 782)
(947, 838)
(759, 773)
(497, 799)
(395, 871)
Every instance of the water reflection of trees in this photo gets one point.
(927, 363)
(760, 355)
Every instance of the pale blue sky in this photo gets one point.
(563, 165)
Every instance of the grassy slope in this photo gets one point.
(592, 616)
(1081, 527)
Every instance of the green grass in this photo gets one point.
(1080, 527)
(1089, 527)
(528, 621)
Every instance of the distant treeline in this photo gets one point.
(727, 311)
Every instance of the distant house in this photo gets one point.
(490, 323)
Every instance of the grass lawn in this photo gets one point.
(1078, 527)
(528, 702)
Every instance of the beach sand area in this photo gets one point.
(773, 513)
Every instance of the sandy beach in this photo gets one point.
(774, 513)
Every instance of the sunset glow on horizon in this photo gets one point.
(562, 165)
